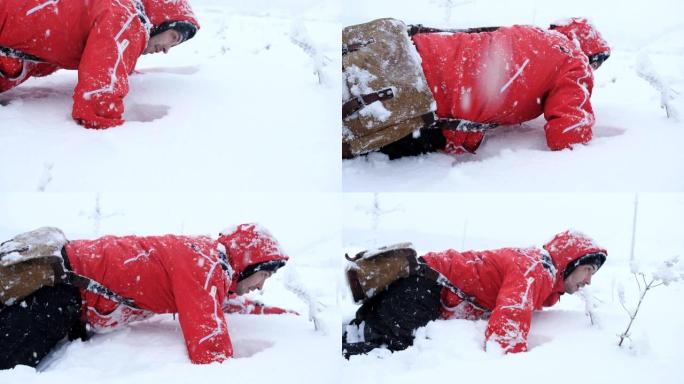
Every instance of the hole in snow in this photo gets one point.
(535, 340)
(603, 131)
(145, 112)
(32, 93)
(248, 348)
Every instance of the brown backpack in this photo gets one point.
(371, 272)
(29, 262)
(386, 96)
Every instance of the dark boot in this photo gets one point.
(358, 348)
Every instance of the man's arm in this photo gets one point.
(245, 306)
(116, 40)
(567, 108)
(510, 320)
(198, 294)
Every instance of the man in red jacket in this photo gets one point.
(504, 76)
(504, 285)
(102, 39)
(196, 277)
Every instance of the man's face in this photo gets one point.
(252, 282)
(162, 42)
(580, 277)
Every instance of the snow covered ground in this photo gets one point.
(244, 106)
(249, 109)
(635, 146)
(564, 345)
(268, 349)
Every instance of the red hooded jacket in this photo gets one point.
(189, 275)
(509, 282)
(512, 75)
(101, 38)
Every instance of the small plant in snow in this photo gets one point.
(97, 215)
(449, 5)
(299, 36)
(294, 284)
(646, 71)
(46, 177)
(664, 275)
(591, 303)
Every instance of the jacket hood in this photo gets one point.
(166, 14)
(569, 246)
(586, 35)
(247, 245)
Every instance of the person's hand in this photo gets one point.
(277, 311)
(97, 114)
(97, 122)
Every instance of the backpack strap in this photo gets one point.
(461, 125)
(356, 103)
(346, 48)
(93, 286)
(16, 54)
(425, 271)
(420, 28)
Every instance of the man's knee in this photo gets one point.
(391, 317)
(430, 140)
(33, 326)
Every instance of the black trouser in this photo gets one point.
(32, 327)
(391, 317)
(430, 140)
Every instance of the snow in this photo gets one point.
(268, 348)
(635, 146)
(241, 124)
(243, 106)
(565, 343)
(11, 258)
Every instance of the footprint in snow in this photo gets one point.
(31, 93)
(145, 113)
(604, 131)
(187, 70)
(248, 348)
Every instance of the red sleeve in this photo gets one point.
(116, 40)
(567, 108)
(241, 305)
(510, 320)
(199, 295)
(459, 142)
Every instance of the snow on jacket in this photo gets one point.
(509, 282)
(512, 75)
(101, 38)
(188, 275)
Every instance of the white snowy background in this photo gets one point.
(275, 348)
(245, 105)
(564, 345)
(635, 146)
(252, 104)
